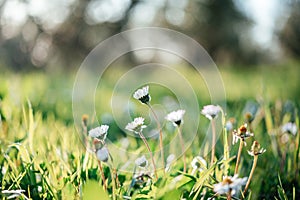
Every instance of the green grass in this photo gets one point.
(43, 154)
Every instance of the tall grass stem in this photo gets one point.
(149, 150)
(239, 156)
(160, 136)
(182, 147)
(251, 173)
(213, 128)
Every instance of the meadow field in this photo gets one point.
(44, 154)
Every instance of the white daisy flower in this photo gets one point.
(136, 126)
(99, 132)
(232, 184)
(142, 95)
(256, 150)
(198, 163)
(242, 134)
(102, 154)
(210, 111)
(290, 128)
(176, 117)
(141, 162)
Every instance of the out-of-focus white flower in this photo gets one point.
(242, 134)
(230, 124)
(124, 143)
(136, 126)
(40, 189)
(142, 95)
(175, 180)
(169, 160)
(211, 111)
(256, 150)
(100, 132)
(176, 117)
(289, 128)
(198, 163)
(38, 177)
(102, 154)
(230, 184)
(141, 162)
(3, 170)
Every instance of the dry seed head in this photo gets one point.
(248, 117)
(84, 119)
(255, 147)
(256, 150)
(242, 129)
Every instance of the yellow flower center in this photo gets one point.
(226, 181)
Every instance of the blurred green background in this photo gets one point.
(40, 35)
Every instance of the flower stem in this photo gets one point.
(116, 177)
(239, 156)
(148, 148)
(213, 128)
(160, 136)
(102, 175)
(113, 180)
(182, 147)
(251, 173)
(229, 195)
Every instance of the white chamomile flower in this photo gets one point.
(242, 134)
(136, 126)
(290, 128)
(176, 117)
(198, 163)
(211, 111)
(256, 150)
(230, 184)
(99, 132)
(102, 154)
(142, 95)
(141, 162)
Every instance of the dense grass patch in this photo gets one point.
(44, 157)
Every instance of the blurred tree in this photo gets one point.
(76, 37)
(223, 30)
(289, 36)
(65, 33)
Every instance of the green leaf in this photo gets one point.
(92, 190)
(173, 194)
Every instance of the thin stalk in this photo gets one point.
(113, 183)
(148, 148)
(182, 147)
(239, 156)
(251, 173)
(229, 195)
(160, 136)
(213, 128)
(116, 177)
(102, 175)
